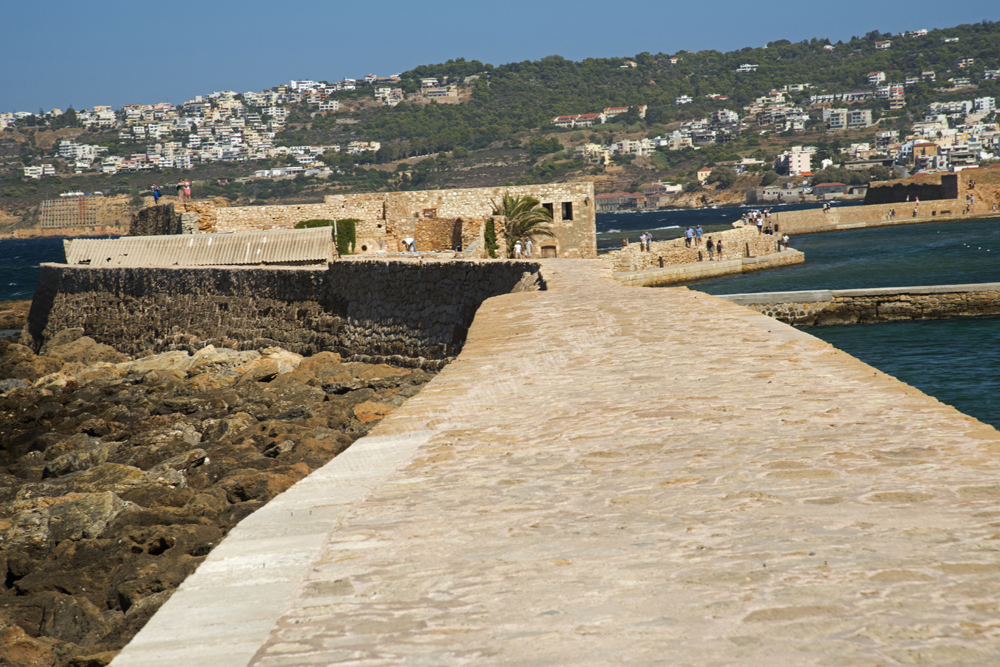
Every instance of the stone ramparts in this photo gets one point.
(408, 313)
(437, 219)
(685, 273)
(871, 306)
(736, 244)
(850, 217)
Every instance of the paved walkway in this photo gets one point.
(611, 475)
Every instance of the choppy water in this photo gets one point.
(19, 261)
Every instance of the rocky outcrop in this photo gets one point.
(118, 475)
(13, 314)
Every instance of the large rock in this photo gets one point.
(74, 619)
(19, 649)
(14, 314)
(53, 519)
(19, 362)
(85, 350)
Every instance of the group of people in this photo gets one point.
(183, 191)
(522, 248)
(692, 236)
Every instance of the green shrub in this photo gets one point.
(490, 238)
(346, 235)
(346, 232)
(312, 224)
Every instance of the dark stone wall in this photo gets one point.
(894, 194)
(408, 313)
(155, 221)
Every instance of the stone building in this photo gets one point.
(435, 219)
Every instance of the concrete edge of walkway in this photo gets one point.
(221, 614)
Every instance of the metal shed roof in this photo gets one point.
(286, 246)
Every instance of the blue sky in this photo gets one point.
(58, 53)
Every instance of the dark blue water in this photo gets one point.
(900, 256)
(956, 361)
(670, 224)
(19, 260)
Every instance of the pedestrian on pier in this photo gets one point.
(187, 190)
(180, 191)
(697, 235)
(527, 247)
(517, 250)
(718, 249)
(688, 236)
(710, 246)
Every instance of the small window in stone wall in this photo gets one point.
(548, 207)
(430, 213)
(567, 210)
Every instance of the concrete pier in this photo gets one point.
(611, 475)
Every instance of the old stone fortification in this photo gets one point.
(896, 193)
(163, 220)
(870, 306)
(685, 273)
(737, 243)
(849, 217)
(407, 313)
(436, 219)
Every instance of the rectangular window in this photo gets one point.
(567, 210)
(430, 213)
(548, 207)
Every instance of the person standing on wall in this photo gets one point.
(718, 249)
(517, 249)
(180, 192)
(527, 247)
(156, 194)
(710, 246)
(697, 235)
(187, 190)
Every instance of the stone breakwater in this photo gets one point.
(409, 313)
(871, 306)
(118, 475)
(736, 243)
(683, 273)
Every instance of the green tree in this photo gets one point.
(724, 176)
(525, 216)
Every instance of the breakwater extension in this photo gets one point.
(871, 306)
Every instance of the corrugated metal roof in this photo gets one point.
(271, 247)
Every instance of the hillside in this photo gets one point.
(497, 127)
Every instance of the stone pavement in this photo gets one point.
(611, 475)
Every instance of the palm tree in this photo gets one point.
(525, 218)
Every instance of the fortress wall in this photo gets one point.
(892, 304)
(899, 192)
(675, 253)
(388, 218)
(815, 220)
(684, 273)
(409, 313)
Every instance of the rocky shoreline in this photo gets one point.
(119, 475)
(14, 314)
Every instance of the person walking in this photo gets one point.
(718, 250)
(710, 246)
(527, 247)
(697, 235)
(517, 250)
(688, 236)
(156, 194)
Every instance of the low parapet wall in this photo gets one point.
(403, 312)
(871, 306)
(736, 243)
(850, 217)
(685, 273)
